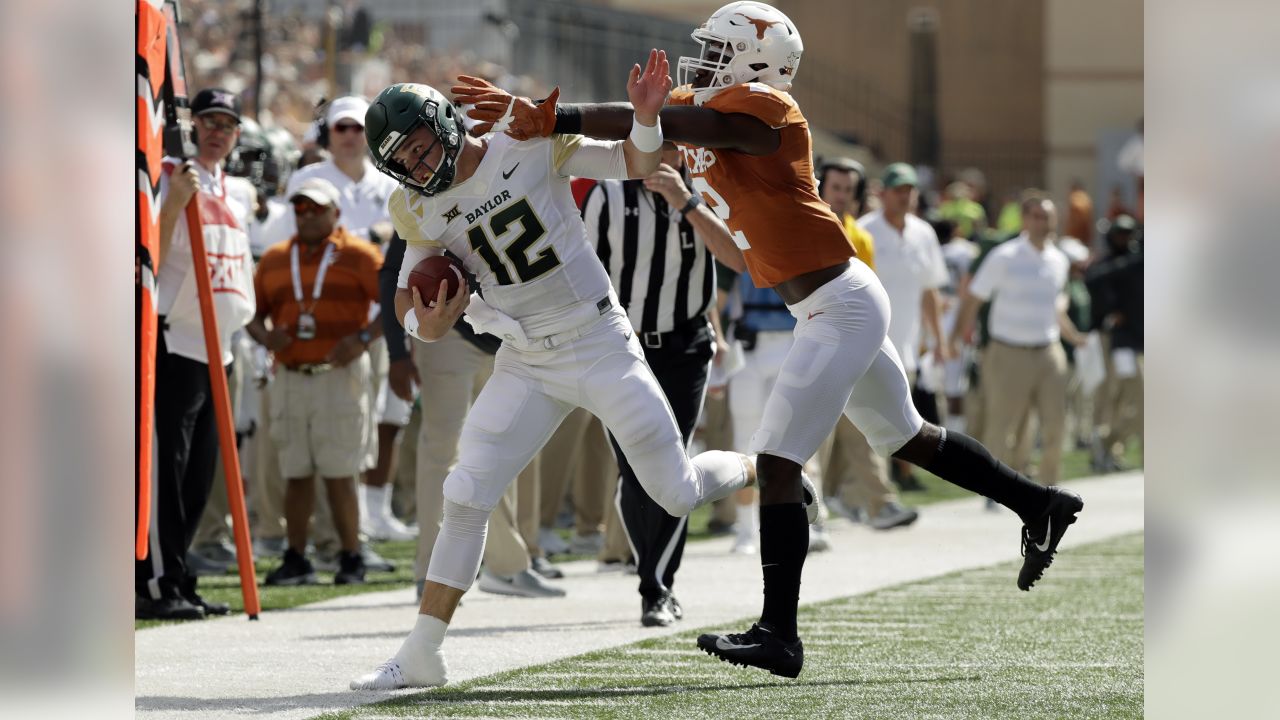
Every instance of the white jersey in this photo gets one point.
(515, 226)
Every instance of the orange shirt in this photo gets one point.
(770, 202)
(350, 288)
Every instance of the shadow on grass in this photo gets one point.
(480, 695)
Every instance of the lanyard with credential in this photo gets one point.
(325, 261)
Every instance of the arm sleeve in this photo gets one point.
(583, 157)
(413, 254)
(387, 280)
(988, 276)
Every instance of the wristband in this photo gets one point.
(411, 325)
(568, 120)
(646, 139)
(694, 201)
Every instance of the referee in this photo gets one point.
(652, 236)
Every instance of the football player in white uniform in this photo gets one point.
(505, 209)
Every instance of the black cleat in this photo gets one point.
(757, 647)
(1039, 543)
(295, 570)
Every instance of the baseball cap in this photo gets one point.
(317, 190)
(216, 100)
(347, 108)
(899, 173)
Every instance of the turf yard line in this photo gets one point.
(966, 645)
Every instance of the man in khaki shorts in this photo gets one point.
(317, 288)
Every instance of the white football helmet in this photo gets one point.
(742, 42)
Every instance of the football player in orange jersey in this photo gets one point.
(750, 154)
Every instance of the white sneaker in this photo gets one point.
(743, 546)
(386, 527)
(525, 583)
(551, 542)
(391, 676)
(589, 544)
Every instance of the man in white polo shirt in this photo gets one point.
(1024, 364)
(362, 195)
(910, 265)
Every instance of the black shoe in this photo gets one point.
(1040, 541)
(295, 570)
(757, 647)
(544, 568)
(187, 589)
(210, 608)
(170, 608)
(350, 569)
(656, 613)
(676, 608)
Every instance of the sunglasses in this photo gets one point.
(212, 124)
(303, 206)
(347, 127)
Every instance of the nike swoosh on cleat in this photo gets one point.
(507, 175)
(722, 644)
(1048, 535)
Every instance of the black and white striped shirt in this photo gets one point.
(662, 273)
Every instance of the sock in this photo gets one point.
(362, 501)
(747, 524)
(377, 502)
(963, 461)
(420, 652)
(784, 542)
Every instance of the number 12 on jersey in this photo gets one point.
(719, 207)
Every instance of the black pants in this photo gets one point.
(681, 366)
(185, 453)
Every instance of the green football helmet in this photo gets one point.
(395, 114)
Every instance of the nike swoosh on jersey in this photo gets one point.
(1048, 535)
(812, 315)
(722, 644)
(507, 175)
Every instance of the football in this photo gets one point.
(428, 274)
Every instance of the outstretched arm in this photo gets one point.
(693, 125)
(522, 119)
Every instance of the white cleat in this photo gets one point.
(390, 676)
(389, 528)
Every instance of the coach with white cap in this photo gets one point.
(362, 197)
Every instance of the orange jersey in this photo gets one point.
(770, 202)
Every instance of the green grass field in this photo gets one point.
(966, 645)
(227, 588)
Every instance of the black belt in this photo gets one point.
(678, 337)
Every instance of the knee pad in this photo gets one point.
(455, 559)
(463, 488)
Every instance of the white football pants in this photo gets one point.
(841, 362)
(523, 403)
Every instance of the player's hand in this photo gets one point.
(402, 374)
(519, 117)
(348, 348)
(648, 88)
(666, 181)
(278, 338)
(953, 347)
(435, 322)
(183, 184)
(942, 352)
